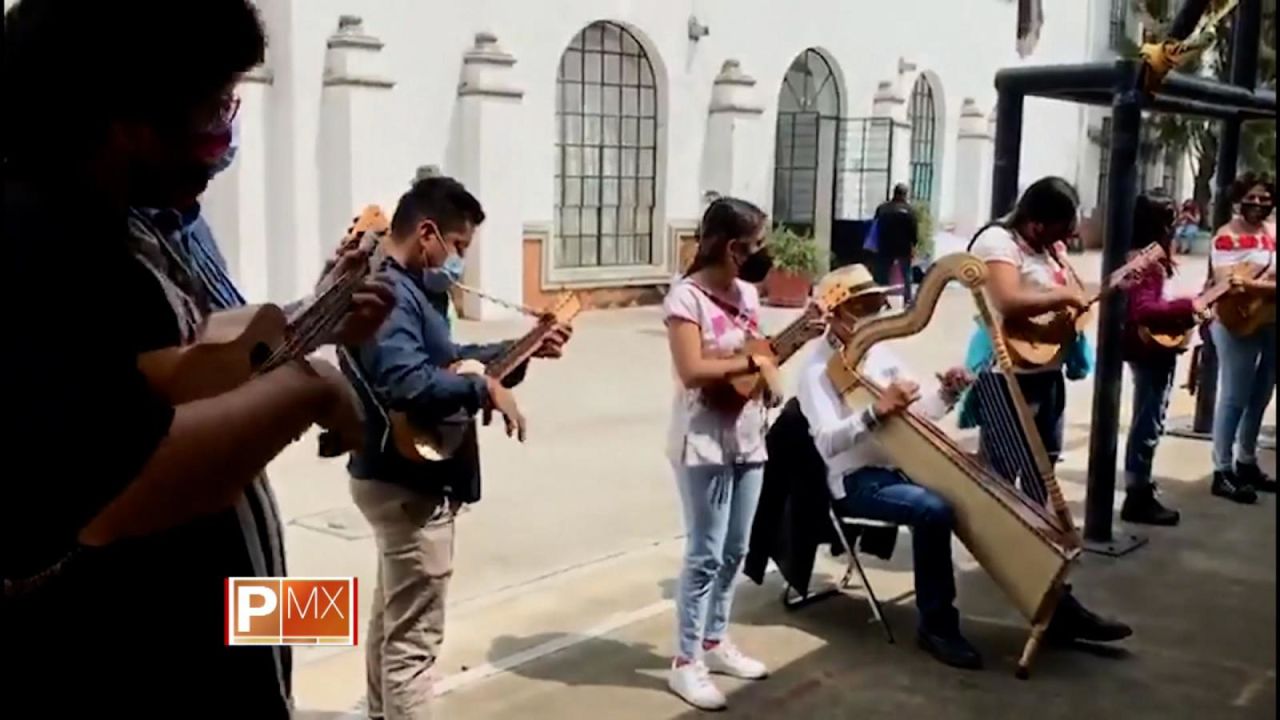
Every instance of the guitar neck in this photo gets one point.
(793, 337)
(521, 350)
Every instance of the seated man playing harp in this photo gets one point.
(864, 483)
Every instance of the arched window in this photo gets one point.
(606, 150)
(922, 114)
(810, 93)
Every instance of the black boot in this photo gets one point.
(1073, 621)
(1142, 506)
(1227, 485)
(950, 649)
(1250, 474)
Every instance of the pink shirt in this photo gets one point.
(699, 435)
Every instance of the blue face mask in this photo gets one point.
(440, 279)
(228, 155)
(453, 267)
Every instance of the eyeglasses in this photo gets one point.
(224, 114)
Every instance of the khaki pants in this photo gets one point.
(414, 533)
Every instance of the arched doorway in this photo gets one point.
(805, 146)
(922, 114)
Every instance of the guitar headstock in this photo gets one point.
(1136, 265)
(564, 309)
(366, 229)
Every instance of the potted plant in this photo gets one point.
(796, 260)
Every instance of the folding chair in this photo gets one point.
(848, 529)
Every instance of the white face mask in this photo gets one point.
(229, 155)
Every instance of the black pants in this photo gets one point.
(883, 272)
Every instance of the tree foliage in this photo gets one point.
(1199, 137)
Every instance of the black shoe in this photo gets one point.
(1227, 485)
(1142, 506)
(1250, 474)
(1074, 622)
(951, 649)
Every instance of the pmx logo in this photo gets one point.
(290, 611)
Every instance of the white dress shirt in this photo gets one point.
(845, 436)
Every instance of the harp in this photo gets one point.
(1026, 541)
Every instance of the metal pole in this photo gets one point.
(1008, 152)
(1122, 192)
(1245, 34)
(1187, 18)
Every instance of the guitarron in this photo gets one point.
(440, 441)
(1025, 545)
(235, 345)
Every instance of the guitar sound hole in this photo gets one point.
(259, 355)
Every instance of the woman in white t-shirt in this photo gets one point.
(1028, 276)
(718, 456)
(1247, 365)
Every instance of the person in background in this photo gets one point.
(1154, 305)
(411, 504)
(718, 456)
(1186, 227)
(1247, 365)
(897, 234)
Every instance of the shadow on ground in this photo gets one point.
(1201, 599)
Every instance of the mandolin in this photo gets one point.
(432, 444)
(1209, 298)
(235, 345)
(1043, 339)
(731, 395)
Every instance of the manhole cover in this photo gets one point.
(344, 522)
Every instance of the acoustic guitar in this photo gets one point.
(1043, 339)
(1245, 313)
(441, 441)
(730, 396)
(1215, 296)
(235, 345)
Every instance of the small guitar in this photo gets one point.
(1245, 313)
(1040, 340)
(1209, 298)
(731, 395)
(431, 444)
(235, 345)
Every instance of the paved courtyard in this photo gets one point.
(561, 601)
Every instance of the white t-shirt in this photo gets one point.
(1037, 269)
(840, 433)
(700, 435)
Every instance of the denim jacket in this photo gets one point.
(405, 368)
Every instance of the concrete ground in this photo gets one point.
(561, 600)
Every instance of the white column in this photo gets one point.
(889, 102)
(489, 140)
(734, 134)
(353, 106)
(973, 169)
(235, 205)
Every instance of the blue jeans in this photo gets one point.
(1152, 383)
(719, 504)
(888, 496)
(883, 272)
(1247, 377)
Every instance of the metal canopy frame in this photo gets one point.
(1118, 85)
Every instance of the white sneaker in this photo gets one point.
(692, 683)
(727, 659)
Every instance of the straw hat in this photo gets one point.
(856, 279)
